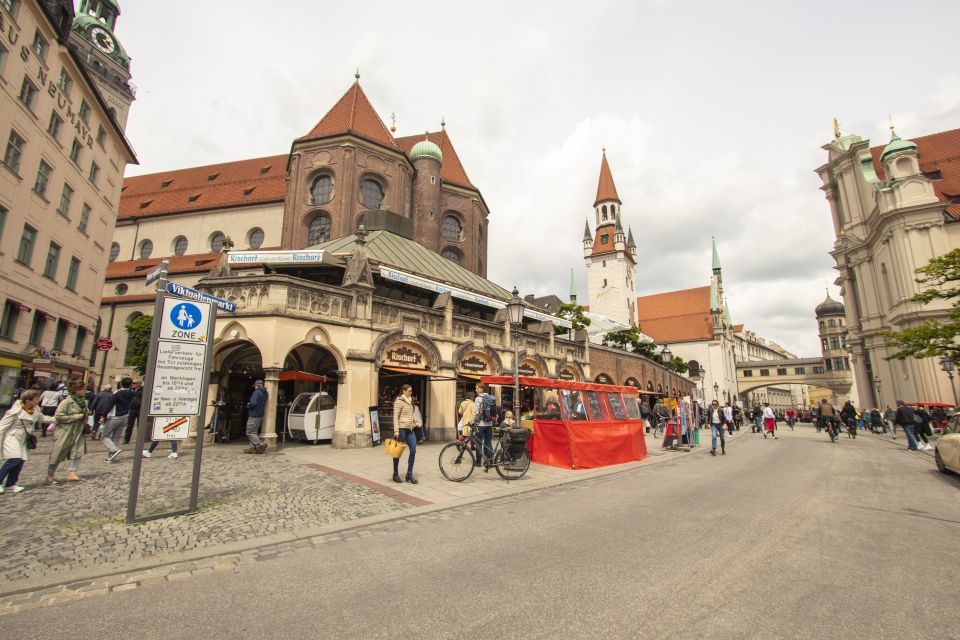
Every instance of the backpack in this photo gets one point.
(488, 408)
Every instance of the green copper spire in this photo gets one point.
(714, 297)
(630, 243)
(586, 231)
(573, 288)
(716, 256)
(726, 313)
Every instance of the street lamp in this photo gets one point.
(716, 390)
(949, 365)
(515, 311)
(667, 356)
(876, 387)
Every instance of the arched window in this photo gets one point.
(371, 193)
(114, 251)
(319, 229)
(451, 255)
(451, 229)
(613, 212)
(216, 241)
(179, 246)
(321, 189)
(603, 211)
(255, 238)
(146, 248)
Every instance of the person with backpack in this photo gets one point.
(484, 415)
(905, 418)
(49, 401)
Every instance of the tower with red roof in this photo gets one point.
(610, 255)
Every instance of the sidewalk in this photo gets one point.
(71, 532)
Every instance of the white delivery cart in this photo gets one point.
(311, 416)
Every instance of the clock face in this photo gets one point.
(103, 40)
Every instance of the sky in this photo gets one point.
(712, 114)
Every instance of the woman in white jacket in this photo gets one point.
(19, 420)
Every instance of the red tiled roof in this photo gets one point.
(145, 196)
(451, 170)
(354, 114)
(607, 230)
(737, 328)
(140, 297)
(676, 316)
(195, 263)
(937, 152)
(606, 190)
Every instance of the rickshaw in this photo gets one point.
(580, 425)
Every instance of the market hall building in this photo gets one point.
(404, 300)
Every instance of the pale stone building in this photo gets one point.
(60, 181)
(894, 208)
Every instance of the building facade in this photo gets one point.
(894, 207)
(60, 182)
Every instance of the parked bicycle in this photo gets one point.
(510, 456)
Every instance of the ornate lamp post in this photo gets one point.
(716, 390)
(515, 311)
(667, 356)
(948, 365)
(876, 388)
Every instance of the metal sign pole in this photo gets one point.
(198, 453)
(144, 419)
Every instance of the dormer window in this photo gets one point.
(212, 177)
(247, 192)
(194, 197)
(264, 171)
(165, 184)
(145, 204)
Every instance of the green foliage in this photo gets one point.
(940, 277)
(629, 340)
(139, 331)
(574, 313)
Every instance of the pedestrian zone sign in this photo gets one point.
(170, 428)
(184, 321)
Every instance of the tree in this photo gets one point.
(629, 340)
(574, 313)
(941, 277)
(139, 330)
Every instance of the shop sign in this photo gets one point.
(104, 344)
(275, 257)
(476, 363)
(529, 368)
(604, 379)
(76, 373)
(405, 355)
(10, 362)
(567, 373)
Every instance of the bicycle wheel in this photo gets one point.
(510, 467)
(456, 461)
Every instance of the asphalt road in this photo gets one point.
(793, 538)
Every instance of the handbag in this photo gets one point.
(31, 439)
(394, 448)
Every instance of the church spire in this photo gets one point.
(716, 256)
(606, 189)
(573, 289)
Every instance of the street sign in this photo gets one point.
(187, 321)
(178, 379)
(181, 291)
(104, 344)
(171, 428)
(153, 275)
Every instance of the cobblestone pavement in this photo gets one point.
(52, 532)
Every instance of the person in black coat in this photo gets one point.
(101, 406)
(134, 412)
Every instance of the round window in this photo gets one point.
(114, 251)
(179, 246)
(146, 249)
(321, 189)
(451, 255)
(120, 289)
(255, 238)
(216, 242)
(371, 193)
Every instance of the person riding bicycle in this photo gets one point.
(848, 415)
(828, 415)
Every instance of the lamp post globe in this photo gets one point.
(948, 364)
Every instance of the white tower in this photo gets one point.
(610, 255)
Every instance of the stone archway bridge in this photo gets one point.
(757, 374)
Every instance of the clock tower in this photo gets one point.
(611, 255)
(105, 59)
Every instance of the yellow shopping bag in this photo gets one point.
(393, 448)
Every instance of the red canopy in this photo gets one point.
(303, 376)
(559, 384)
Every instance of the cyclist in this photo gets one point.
(828, 415)
(848, 415)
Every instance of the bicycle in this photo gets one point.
(660, 427)
(510, 456)
(832, 427)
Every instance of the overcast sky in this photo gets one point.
(713, 114)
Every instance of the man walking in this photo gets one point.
(117, 419)
(255, 410)
(134, 414)
(715, 418)
(728, 417)
(904, 417)
(101, 406)
(484, 414)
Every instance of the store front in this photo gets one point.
(470, 367)
(9, 380)
(402, 363)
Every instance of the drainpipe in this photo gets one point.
(103, 365)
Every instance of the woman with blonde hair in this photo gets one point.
(403, 424)
(16, 428)
(71, 415)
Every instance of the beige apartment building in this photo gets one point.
(60, 180)
(894, 207)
